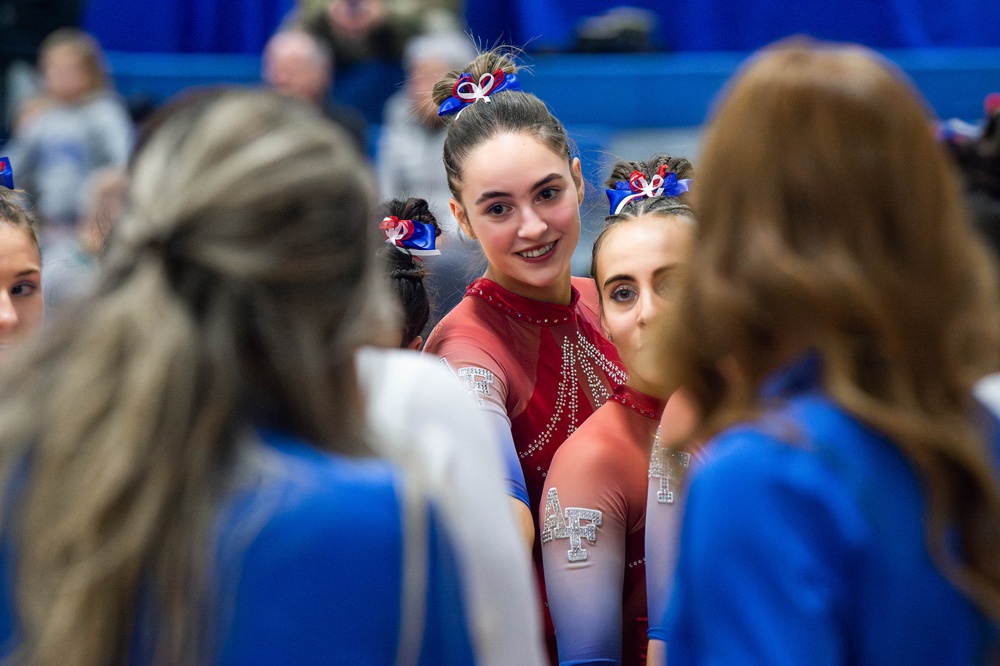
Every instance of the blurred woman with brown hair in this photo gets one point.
(838, 313)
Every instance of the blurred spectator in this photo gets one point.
(75, 127)
(978, 157)
(23, 25)
(408, 159)
(299, 65)
(361, 30)
(368, 38)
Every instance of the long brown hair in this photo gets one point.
(232, 283)
(830, 219)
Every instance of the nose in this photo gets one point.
(532, 225)
(8, 313)
(650, 306)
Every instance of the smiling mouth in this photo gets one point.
(538, 251)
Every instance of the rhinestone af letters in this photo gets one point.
(667, 465)
(477, 381)
(567, 526)
(577, 354)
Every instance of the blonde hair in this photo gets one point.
(829, 218)
(233, 292)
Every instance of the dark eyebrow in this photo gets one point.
(657, 273)
(615, 278)
(493, 194)
(28, 271)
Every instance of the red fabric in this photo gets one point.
(526, 345)
(604, 466)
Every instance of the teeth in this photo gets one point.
(531, 254)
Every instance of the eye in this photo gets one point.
(548, 193)
(23, 289)
(623, 293)
(496, 210)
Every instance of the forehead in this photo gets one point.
(510, 163)
(644, 244)
(17, 248)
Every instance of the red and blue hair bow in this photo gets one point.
(662, 184)
(467, 90)
(6, 173)
(411, 236)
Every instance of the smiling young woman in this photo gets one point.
(599, 610)
(526, 339)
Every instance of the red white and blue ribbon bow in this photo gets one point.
(467, 90)
(410, 236)
(662, 184)
(6, 173)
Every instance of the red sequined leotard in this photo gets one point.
(592, 533)
(538, 368)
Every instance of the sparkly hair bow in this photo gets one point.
(467, 90)
(410, 236)
(6, 173)
(662, 184)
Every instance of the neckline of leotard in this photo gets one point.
(521, 308)
(640, 403)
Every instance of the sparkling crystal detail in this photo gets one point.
(667, 465)
(566, 525)
(578, 354)
(477, 381)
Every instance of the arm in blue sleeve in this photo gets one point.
(500, 424)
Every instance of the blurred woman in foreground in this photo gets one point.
(186, 475)
(838, 314)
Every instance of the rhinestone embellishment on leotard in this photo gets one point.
(667, 465)
(477, 381)
(582, 354)
(567, 525)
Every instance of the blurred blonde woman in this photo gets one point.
(186, 475)
(838, 313)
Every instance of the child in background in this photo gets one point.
(76, 127)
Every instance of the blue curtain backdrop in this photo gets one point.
(184, 26)
(732, 25)
(242, 26)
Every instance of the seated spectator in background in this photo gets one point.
(408, 159)
(71, 267)
(368, 37)
(74, 128)
(298, 65)
(22, 303)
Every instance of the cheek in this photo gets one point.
(30, 312)
(621, 326)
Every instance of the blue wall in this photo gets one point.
(242, 26)
(662, 90)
